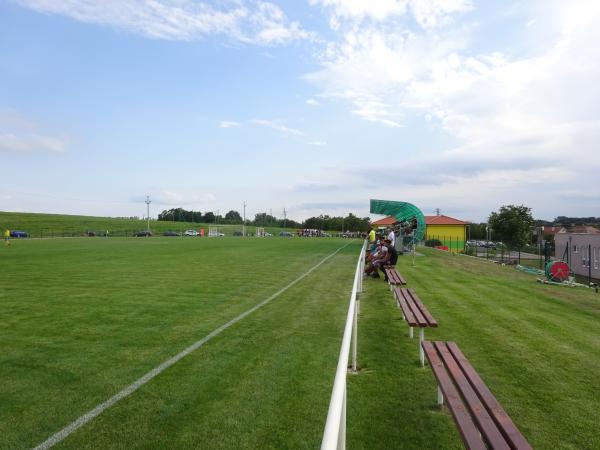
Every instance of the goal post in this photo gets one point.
(260, 232)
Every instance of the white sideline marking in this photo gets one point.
(62, 434)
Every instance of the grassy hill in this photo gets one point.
(62, 225)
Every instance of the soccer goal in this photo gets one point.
(213, 232)
(260, 232)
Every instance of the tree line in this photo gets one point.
(322, 222)
(515, 224)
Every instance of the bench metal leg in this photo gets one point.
(410, 332)
(440, 396)
(421, 352)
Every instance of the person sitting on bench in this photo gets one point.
(377, 258)
(389, 257)
(393, 256)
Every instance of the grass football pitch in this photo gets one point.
(80, 319)
(83, 318)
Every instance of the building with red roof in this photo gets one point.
(386, 222)
(449, 231)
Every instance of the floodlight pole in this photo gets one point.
(244, 223)
(148, 210)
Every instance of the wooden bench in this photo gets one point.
(393, 276)
(481, 420)
(415, 314)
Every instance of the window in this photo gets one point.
(585, 257)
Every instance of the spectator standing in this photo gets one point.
(372, 239)
(393, 258)
(7, 237)
(392, 237)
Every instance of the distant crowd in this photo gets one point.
(311, 232)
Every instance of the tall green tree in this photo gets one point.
(512, 224)
(477, 230)
(233, 217)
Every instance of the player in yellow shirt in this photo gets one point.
(372, 243)
(7, 237)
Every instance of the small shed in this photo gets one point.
(449, 231)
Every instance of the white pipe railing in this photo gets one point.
(334, 436)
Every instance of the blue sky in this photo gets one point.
(314, 106)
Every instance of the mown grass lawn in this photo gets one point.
(80, 319)
(536, 346)
(63, 225)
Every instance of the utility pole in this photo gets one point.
(284, 217)
(148, 210)
(244, 223)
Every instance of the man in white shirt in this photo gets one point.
(392, 237)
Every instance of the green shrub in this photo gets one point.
(432, 242)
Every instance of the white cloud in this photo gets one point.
(427, 13)
(369, 67)
(360, 9)
(318, 143)
(312, 102)
(21, 135)
(498, 108)
(229, 124)
(437, 13)
(278, 126)
(28, 143)
(177, 198)
(520, 127)
(249, 21)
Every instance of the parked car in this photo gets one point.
(285, 234)
(171, 233)
(238, 233)
(267, 235)
(19, 234)
(144, 233)
(191, 233)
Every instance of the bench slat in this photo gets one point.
(503, 421)
(467, 428)
(430, 320)
(478, 411)
(421, 320)
(394, 276)
(408, 314)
